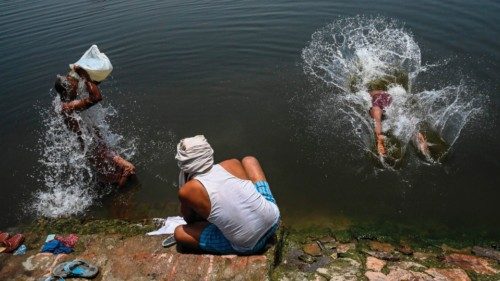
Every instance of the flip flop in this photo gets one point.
(13, 243)
(75, 268)
(169, 241)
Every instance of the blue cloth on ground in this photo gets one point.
(56, 247)
(21, 250)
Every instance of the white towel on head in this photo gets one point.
(194, 156)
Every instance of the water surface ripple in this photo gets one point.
(233, 71)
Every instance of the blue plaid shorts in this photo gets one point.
(212, 239)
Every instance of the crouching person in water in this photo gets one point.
(228, 207)
(111, 168)
(380, 101)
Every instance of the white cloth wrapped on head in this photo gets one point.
(97, 64)
(194, 156)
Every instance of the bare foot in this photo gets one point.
(422, 145)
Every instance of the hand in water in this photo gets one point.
(127, 169)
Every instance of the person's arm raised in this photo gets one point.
(85, 103)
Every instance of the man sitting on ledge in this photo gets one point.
(228, 207)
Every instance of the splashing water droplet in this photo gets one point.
(354, 55)
(69, 179)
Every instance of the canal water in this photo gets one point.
(270, 79)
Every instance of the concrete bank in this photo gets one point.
(122, 252)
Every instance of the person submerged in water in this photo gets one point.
(228, 207)
(110, 166)
(380, 101)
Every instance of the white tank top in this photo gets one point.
(237, 209)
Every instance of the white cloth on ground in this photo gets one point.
(194, 156)
(168, 226)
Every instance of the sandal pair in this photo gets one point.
(76, 268)
(9, 244)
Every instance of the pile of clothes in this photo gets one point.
(58, 244)
(77, 268)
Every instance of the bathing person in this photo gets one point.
(228, 207)
(110, 166)
(380, 101)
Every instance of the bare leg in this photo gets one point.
(422, 144)
(376, 113)
(189, 235)
(235, 168)
(253, 169)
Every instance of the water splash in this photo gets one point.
(68, 177)
(351, 52)
(352, 55)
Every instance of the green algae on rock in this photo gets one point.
(83, 226)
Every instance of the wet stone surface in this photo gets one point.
(486, 252)
(300, 256)
(374, 264)
(381, 247)
(473, 263)
(455, 274)
(312, 249)
(405, 249)
(380, 261)
(137, 258)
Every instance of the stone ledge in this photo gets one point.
(299, 254)
(137, 258)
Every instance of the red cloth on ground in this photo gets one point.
(68, 241)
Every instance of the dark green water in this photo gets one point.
(232, 70)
